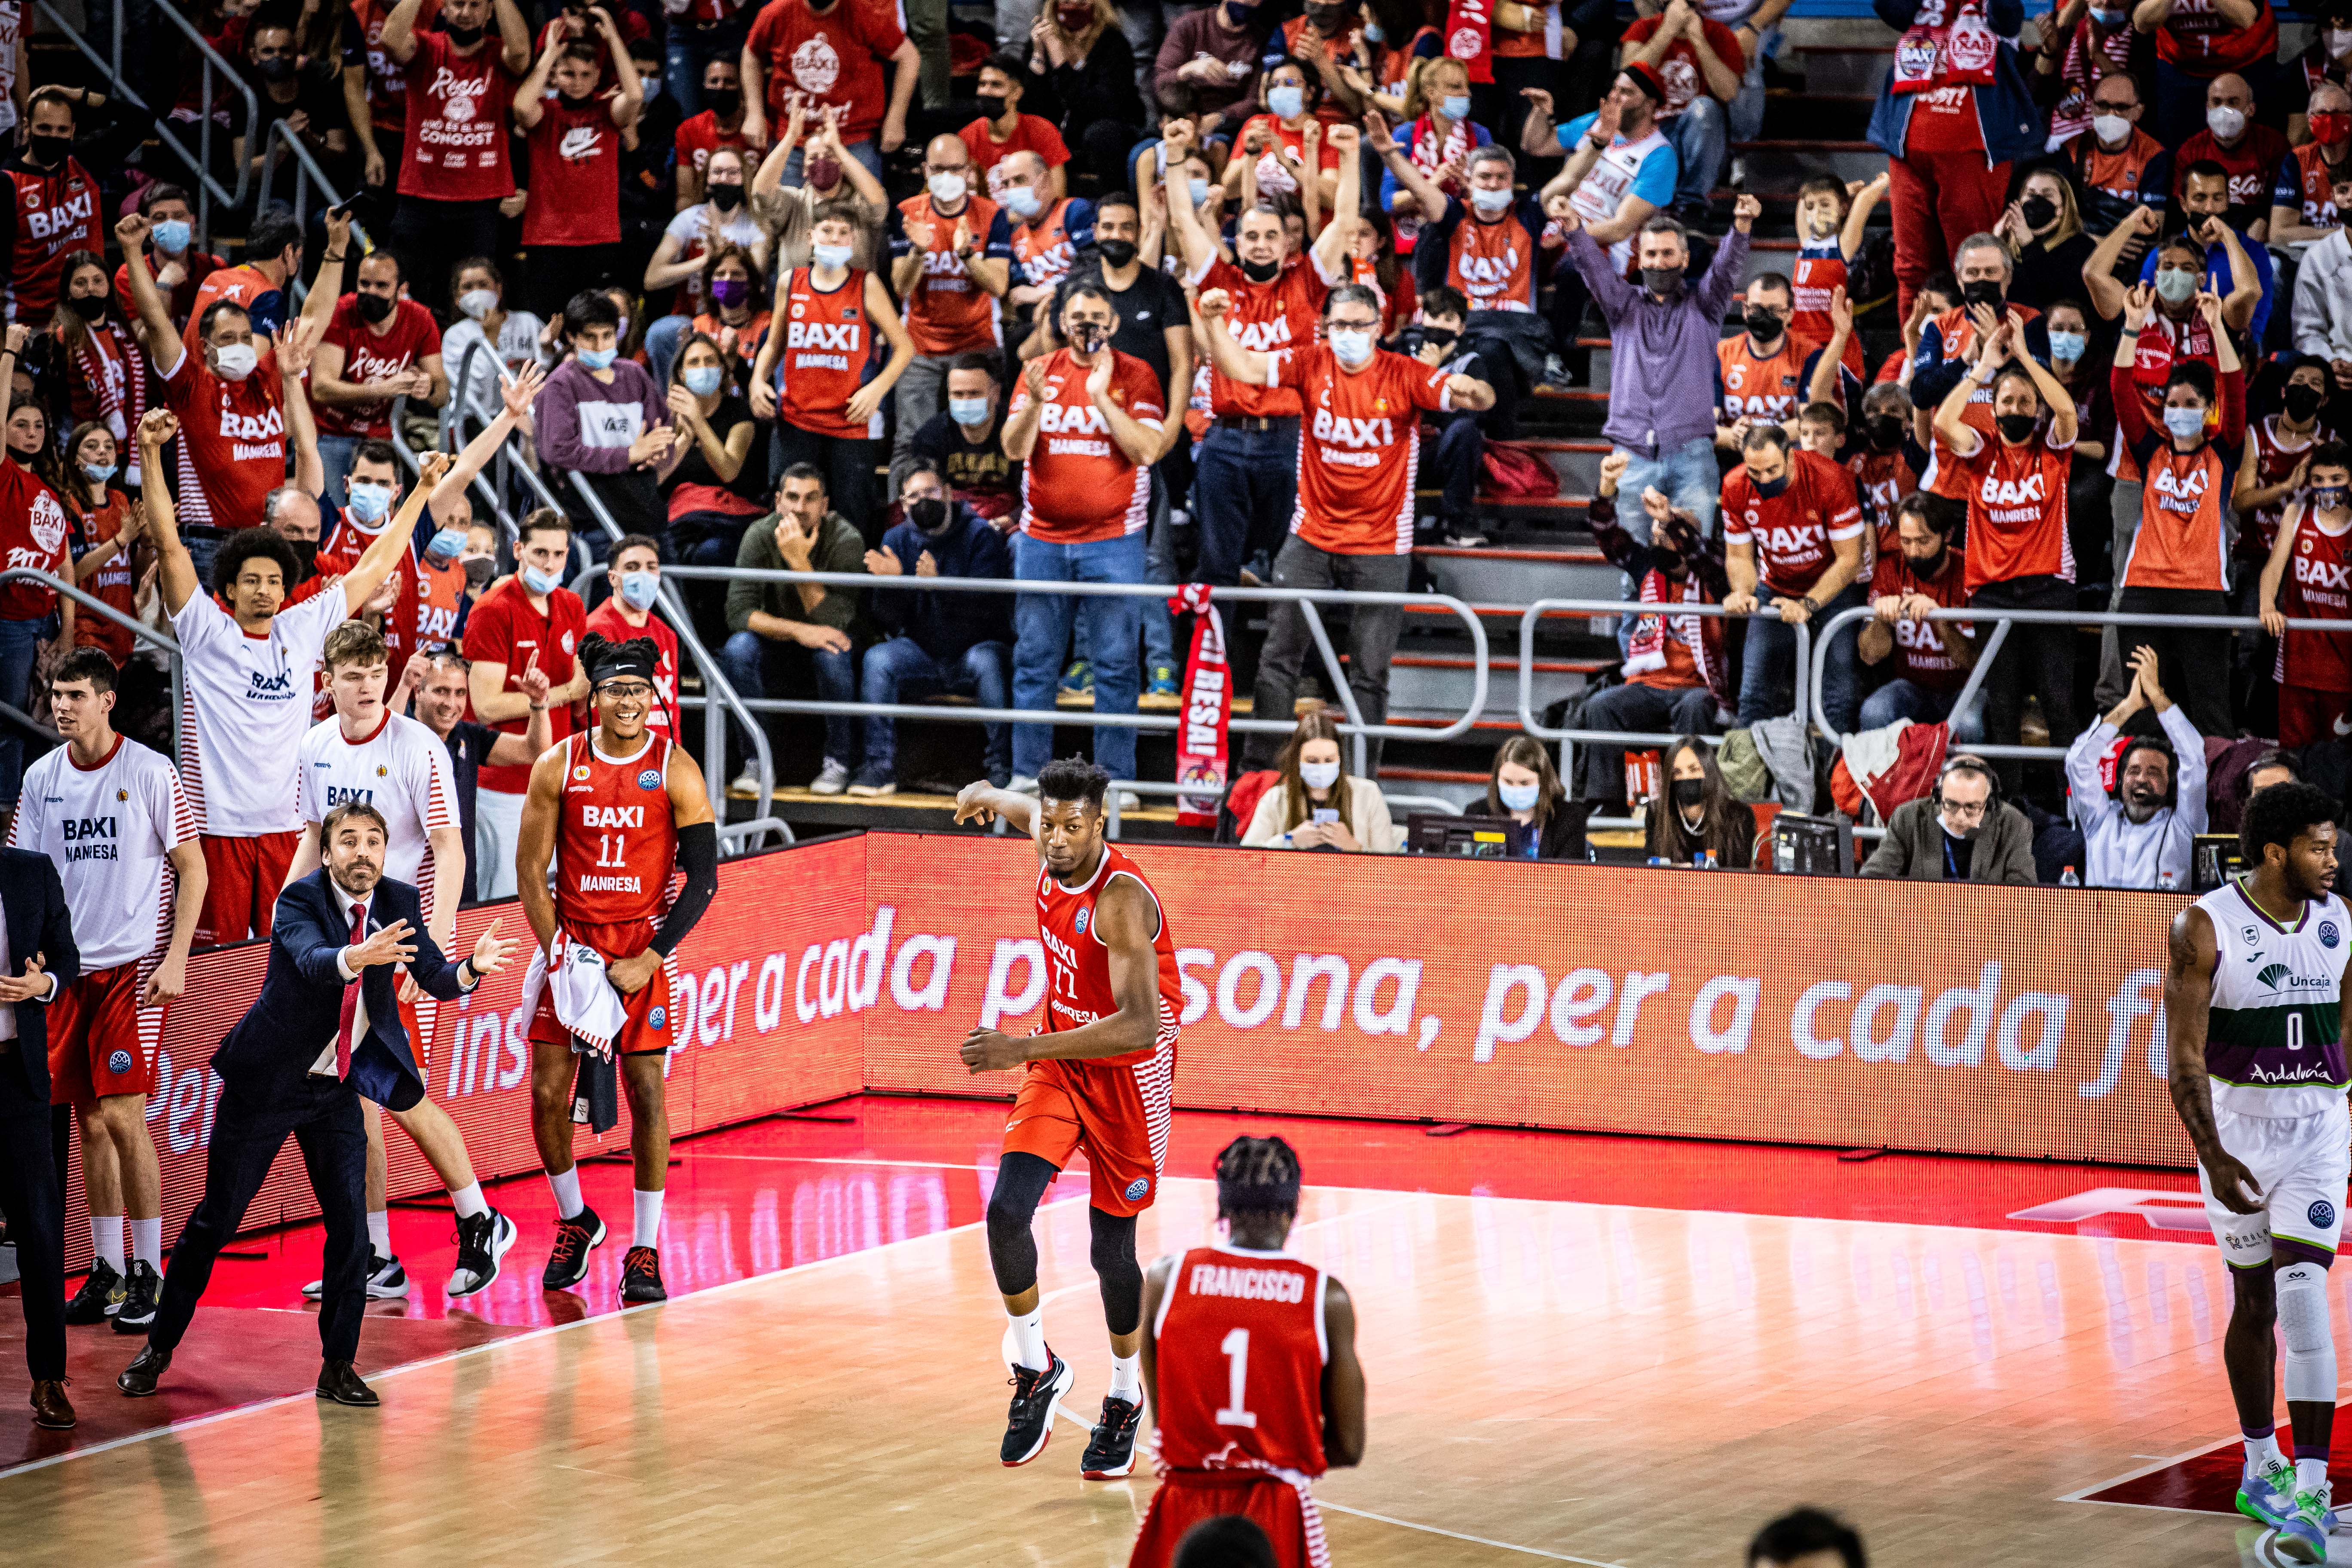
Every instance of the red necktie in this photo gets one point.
(351, 999)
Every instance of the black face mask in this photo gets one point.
(306, 555)
(1667, 562)
(89, 307)
(1886, 432)
(1984, 292)
(375, 309)
(276, 67)
(1768, 489)
(1087, 336)
(1261, 271)
(726, 198)
(722, 101)
(1118, 252)
(464, 37)
(992, 106)
(1689, 793)
(931, 514)
(1661, 280)
(2039, 212)
(1763, 325)
(1443, 337)
(2302, 402)
(48, 152)
(2015, 427)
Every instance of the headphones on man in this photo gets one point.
(1968, 761)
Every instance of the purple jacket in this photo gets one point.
(586, 425)
(1660, 350)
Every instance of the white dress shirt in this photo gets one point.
(9, 1009)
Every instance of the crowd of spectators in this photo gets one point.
(1151, 294)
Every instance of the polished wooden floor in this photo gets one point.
(1569, 1381)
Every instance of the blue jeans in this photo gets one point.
(1042, 624)
(335, 453)
(1902, 698)
(1701, 137)
(1159, 566)
(20, 641)
(1247, 488)
(757, 667)
(894, 666)
(1689, 476)
(1771, 661)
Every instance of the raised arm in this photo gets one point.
(515, 395)
(164, 344)
(1246, 365)
(175, 571)
(1198, 246)
(531, 97)
(1339, 236)
(392, 543)
(982, 802)
(399, 35)
(318, 306)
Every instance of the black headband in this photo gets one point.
(611, 661)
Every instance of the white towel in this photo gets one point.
(585, 1002)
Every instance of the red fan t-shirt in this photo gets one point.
(407, 339)
(2017, 510)
(575, 177)
(33, 532)
(1794, 533)
(833, 57)
(1077, 486)
(232, 439)
(1360, 448)
(455, 147)
(503, 628)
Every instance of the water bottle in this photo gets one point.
(2168, 880)
(1704, 861)
(2067, 878)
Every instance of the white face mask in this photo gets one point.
(946, 186)
(1516, 797)
(477, 302)
(1319, 776)
(830, 255)
(234, 361)
(1491, 202)
(2225, 122)
(2339, 42)
(2110, 129)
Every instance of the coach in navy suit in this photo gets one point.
(325, 1030)
(39, 962)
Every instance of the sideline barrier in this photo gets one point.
(2014, 1021)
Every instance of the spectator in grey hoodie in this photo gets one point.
(603, 419)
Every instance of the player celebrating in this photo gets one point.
(2256, 977)
(110, 813)
(246, 673)
(615, 809)
(1250, 1355)
(1096, 1077)
(368, 753)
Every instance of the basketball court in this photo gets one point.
(1579, 1349)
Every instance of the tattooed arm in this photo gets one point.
(2188, 997)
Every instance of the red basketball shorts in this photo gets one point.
(243, 876)
(101, 1043)
(1117, 1113)
(651, 1018)
(1284, 1510)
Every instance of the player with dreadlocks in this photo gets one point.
(1249, 1359)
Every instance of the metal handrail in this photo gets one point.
(306, 170)
(2074, 618)
(137, 628)
(720, 698)
(1354, 725)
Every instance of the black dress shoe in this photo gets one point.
(138, 1379)
(50, 1407)
(339, 1383)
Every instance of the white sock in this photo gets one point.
(1028, 1335)
(147, 1240)
(106, 1237)
(568, 1200)
(1127, 1377)
(380, 1232)
(647, 1229)
(2310, 1474)
(469, 1200)
(2264, 1451)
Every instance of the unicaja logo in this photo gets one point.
(2270, 974)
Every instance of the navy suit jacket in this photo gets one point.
(266, 1057)
(34, 903)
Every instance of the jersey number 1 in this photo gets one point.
(1236, 1349)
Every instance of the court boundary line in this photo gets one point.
(2083, 1495)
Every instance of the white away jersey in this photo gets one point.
(2272, 1043)
(109, 829)
(246, 702)
(403, 770)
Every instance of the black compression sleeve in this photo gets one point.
(698, 855)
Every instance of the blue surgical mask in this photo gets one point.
(1287, 102)
(98, 474)
(1020, 201)
(2109, 18)
(2327, 498)
(1375, 33)
(2185, 423)
(368, 502)
(446, 544)
(539, 582)
(968, 410)
(640, 589)
(1516, 797)
(1455, 106)
(702, 380)
(598, 359)
(172, 237)
(2067, 346)
(832, 258)
(1199, 192)
(1353, 345)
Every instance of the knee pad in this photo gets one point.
(1021, 1183)
(1120, 1275)
(2307, 1331)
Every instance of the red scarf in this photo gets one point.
(1201, 755)
(115, 374)
(1647, 650)
(1469, 37)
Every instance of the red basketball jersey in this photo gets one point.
(2317, 587)
(829, 353)
(1079, 963)
(1240, 1349)
(615, 842)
